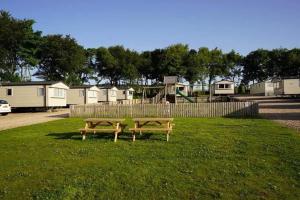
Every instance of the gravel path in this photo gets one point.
(282, 111)
(14, 120)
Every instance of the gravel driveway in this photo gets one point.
(14, 120)
(283, 111)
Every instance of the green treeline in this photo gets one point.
(57, 57)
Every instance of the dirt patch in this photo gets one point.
(14, 120)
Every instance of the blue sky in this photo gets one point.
(145, 25)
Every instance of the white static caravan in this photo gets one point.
(107, 94)
(262, 89)
(287, 87)
(36, 94)
(84, 94)
(223, 87)
(125, 93)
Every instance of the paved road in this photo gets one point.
(13, 120)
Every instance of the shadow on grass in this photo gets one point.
(105, 136)
(244, 117)
(66, 136)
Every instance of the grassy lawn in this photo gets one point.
(217, 158)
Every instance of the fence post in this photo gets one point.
(72, 111)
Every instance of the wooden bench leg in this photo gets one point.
(83, 133)
(116, 136)
(133, 136)
(168, 135)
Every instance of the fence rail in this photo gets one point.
(217, 109)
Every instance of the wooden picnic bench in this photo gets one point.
(110, 125)
(157, 124)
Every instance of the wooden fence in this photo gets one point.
(217, 109)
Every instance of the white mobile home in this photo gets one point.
(35, 94)
(107, 94)
(262, 89)
(223, 87)
(84, 94)
(287, 87)
(125, 93)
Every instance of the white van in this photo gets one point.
(4, 107)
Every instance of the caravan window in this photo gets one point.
(41, 92)
(81, 93)
(221, 86)
(9, 92)
(93, 94)
(59, 92)
(224, 86)
(113, 93)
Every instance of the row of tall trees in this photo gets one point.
(263, 64)
(56, 57)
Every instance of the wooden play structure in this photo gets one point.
(168, 92)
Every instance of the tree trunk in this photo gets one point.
(210, 89)
(202, 85)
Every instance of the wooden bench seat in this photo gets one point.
(98, 130)
(150, 129)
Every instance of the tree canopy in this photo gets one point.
(61, 59)
(18, 47)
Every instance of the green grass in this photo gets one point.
(217, 158)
